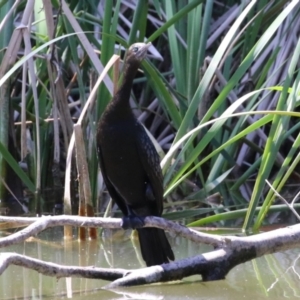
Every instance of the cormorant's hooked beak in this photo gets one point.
(153, 54)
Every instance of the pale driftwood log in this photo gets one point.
(229, 251)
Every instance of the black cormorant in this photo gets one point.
(130, 165)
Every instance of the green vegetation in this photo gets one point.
(222, 104)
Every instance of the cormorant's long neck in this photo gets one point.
(123, 94)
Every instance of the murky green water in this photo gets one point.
(270, 277)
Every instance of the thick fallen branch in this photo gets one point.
(216, 264)
(230, 251)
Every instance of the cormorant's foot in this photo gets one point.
(132, 222)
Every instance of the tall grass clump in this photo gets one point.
(219, 96)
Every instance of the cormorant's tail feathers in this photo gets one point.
(155, 247)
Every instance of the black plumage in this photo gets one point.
(130, 165)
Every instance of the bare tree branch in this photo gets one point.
(56, 270)
(44, 222)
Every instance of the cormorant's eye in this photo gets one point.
(135, 49)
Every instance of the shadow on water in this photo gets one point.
(267, 277)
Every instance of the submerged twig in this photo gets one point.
(290, 206)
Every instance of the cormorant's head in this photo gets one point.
(137, 52)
